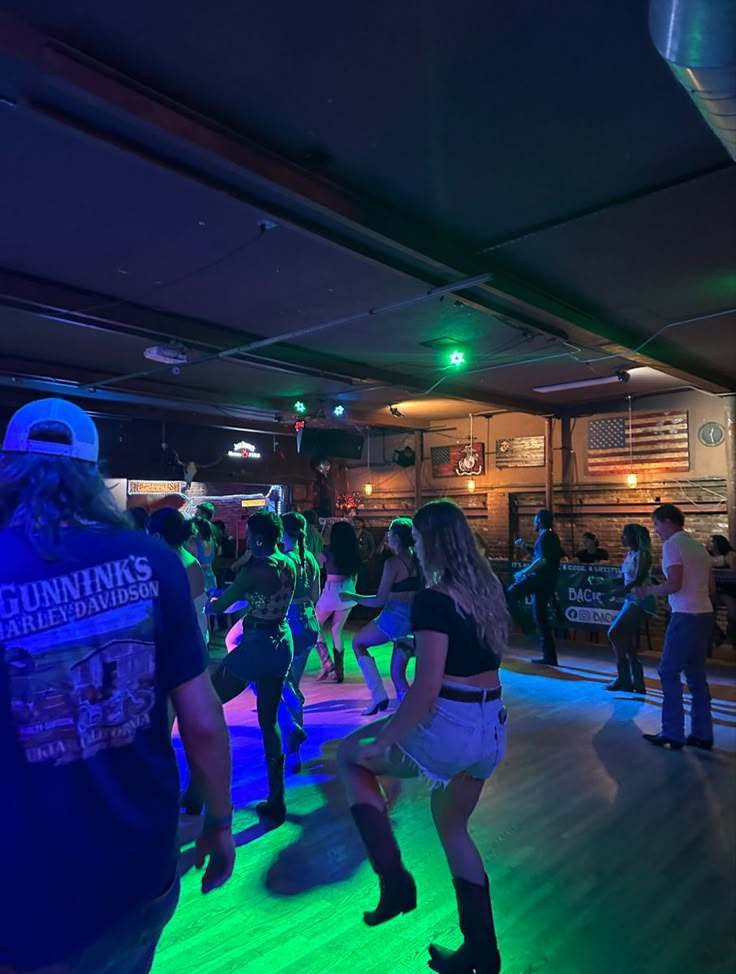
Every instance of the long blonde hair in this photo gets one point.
(450, 555)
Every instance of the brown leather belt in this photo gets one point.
(470, 696)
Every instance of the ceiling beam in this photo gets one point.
(72, 306)
(172, 135)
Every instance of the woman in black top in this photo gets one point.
(450, 728)
(400, 581)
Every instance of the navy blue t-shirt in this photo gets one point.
(90, 647)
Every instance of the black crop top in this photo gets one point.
(466, 656)
(408, 584)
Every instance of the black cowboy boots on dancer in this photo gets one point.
(398, 890)
(479, 950)
(274, 808)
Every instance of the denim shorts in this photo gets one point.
(457, 736)
(394, 619)
(258, 654)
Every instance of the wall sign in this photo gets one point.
(458, 461)
(520, 451)
(244, 451)
(154, 487)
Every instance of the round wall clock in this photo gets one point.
(711, 434)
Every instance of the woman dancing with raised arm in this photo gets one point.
(450, 728)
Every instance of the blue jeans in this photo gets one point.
(305, 631)
(686, 643)
(129, 947)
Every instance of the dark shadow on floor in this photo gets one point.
(328, 849)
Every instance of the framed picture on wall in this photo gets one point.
(520, 451)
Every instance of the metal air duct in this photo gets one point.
(697, 39)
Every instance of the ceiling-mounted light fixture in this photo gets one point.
(300, 407)
(598, 380)
(395, 411)
(338, 410)
(457, 357)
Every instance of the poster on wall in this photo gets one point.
(585, 595)
(657, 443)
(460, 460)
(153, 487)
(520, 451)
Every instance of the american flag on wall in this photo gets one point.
(445, 460)
(659, 443)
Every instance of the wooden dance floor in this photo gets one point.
(606, 855)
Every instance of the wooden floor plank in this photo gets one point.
(605, 855)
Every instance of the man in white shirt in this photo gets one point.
(689, 586)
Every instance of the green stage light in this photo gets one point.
(300, 407)
(457, 358)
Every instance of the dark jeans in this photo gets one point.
(268, 695)
(129, 947)
(686, 641)
(305, 631)
(541, 593)
(262, 658)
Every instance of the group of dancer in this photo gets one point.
(120, 610)
(439, 598)
(450, 724)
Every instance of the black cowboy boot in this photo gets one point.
(339, 666)
(274, 808)
(479, 950)
(398, 890)
(623, 680)
(637, 676)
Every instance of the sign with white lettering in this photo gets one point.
(585, 595)
(244, 451)
(154, 486)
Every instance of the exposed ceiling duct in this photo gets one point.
(697, 39)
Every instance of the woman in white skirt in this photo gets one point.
(341, 560)
(400, 581)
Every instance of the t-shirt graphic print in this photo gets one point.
(80, 654)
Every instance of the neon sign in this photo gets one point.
(244, 451)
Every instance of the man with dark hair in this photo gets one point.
(538, 579)
(97, 633)
(689, 587)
